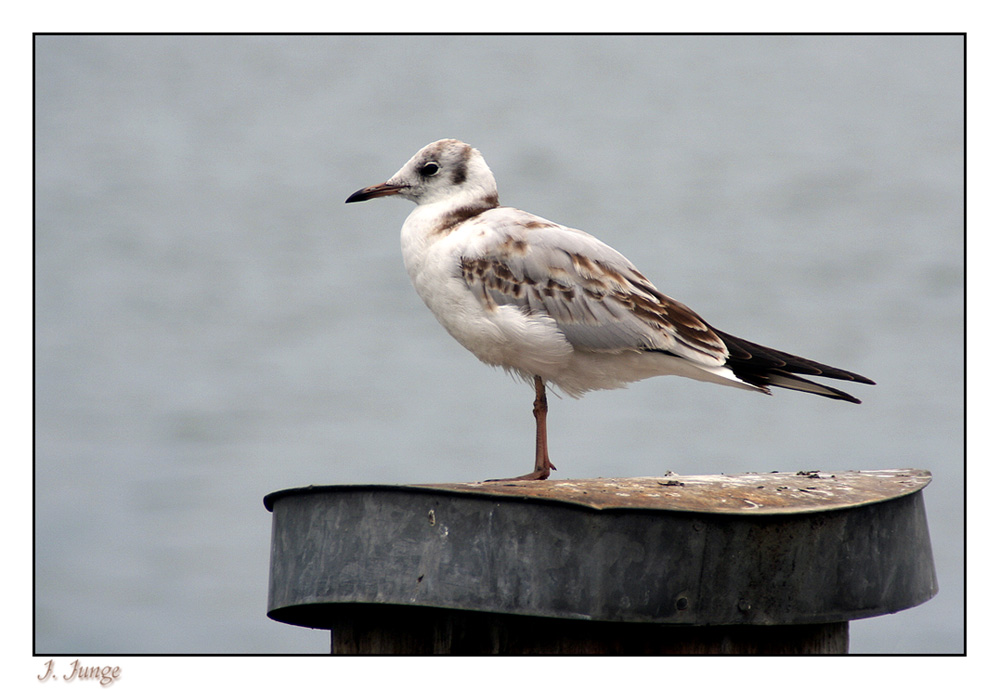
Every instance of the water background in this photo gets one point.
(213, 323)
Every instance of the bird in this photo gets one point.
(555, 305)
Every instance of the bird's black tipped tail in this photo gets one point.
(797, 383)
(764, 366)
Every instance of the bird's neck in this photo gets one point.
(438, 219)
(431, 223)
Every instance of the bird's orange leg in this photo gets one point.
(542, 464)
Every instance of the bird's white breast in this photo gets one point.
(506, 336)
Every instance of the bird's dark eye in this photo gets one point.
(430, 169)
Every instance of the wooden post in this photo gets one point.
(755, 563)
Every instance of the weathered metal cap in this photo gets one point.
(776, 548)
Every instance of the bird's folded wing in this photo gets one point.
(595, 295)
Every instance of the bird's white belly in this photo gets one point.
(504, 336)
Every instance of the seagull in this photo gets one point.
(556, 305)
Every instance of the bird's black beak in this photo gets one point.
(375, 191)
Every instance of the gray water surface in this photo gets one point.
(214, 323)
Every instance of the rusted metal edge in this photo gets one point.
(745, 494)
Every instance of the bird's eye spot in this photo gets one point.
(430, 169)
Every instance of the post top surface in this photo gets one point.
(770, 493)
(752, 493)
